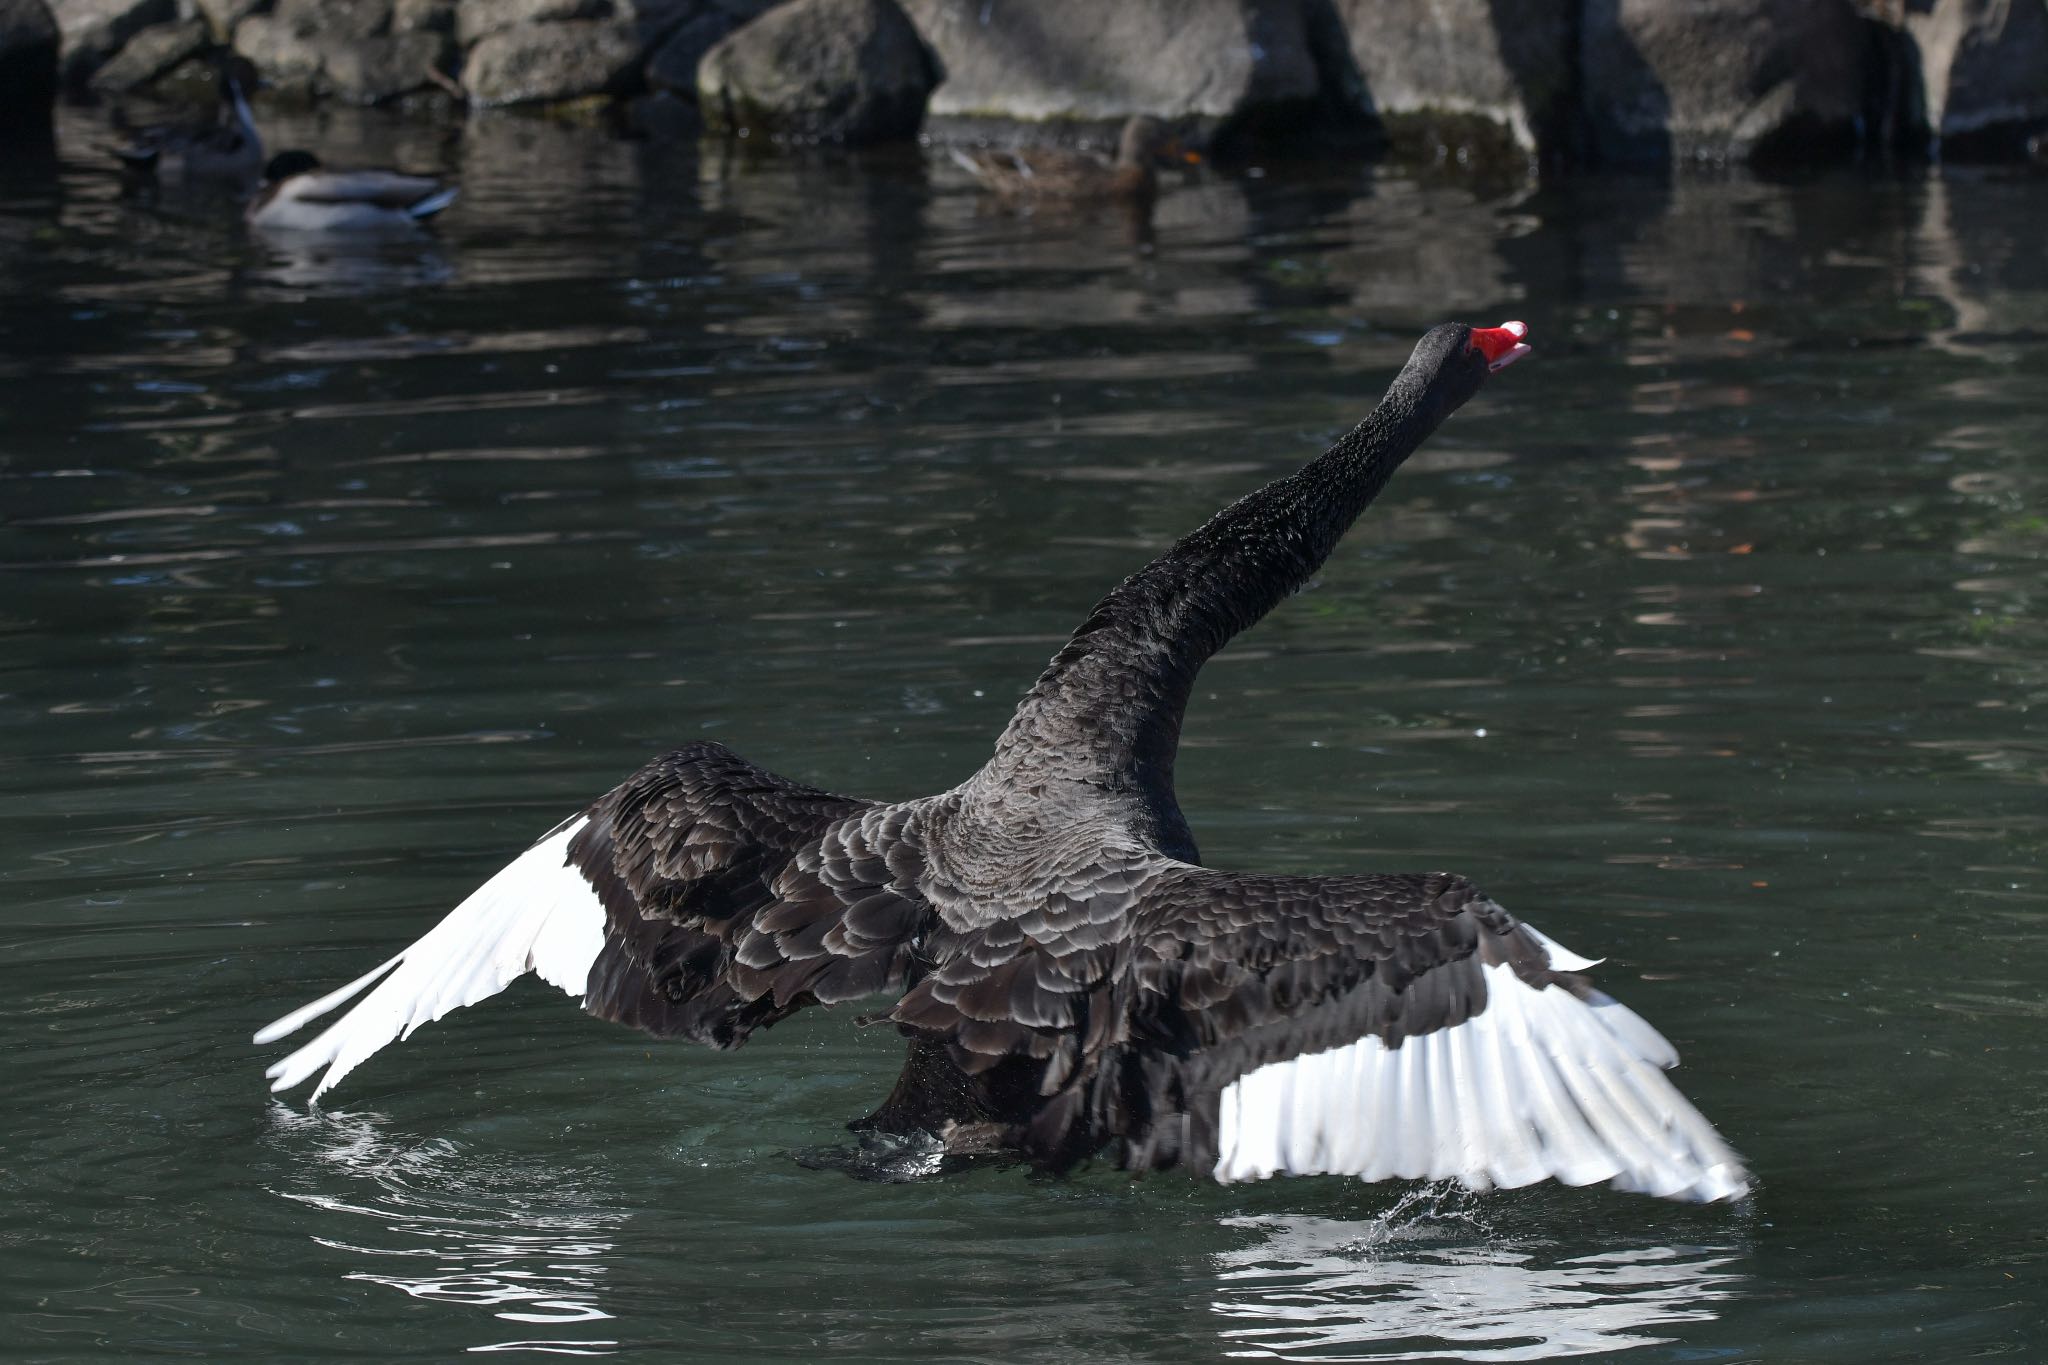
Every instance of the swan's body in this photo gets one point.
(300, 195)
(228, 147)
(1068, 974)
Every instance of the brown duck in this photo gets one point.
(1055, 174)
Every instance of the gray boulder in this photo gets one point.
(288, 61)
(654, 20)
(475, 19)
(337, 20)
(94, 30)
(380, 68)
(1508, 64)
(542, 63)
(151, 53)
(1093, 59)
(423, 16)
(1721, 78)
(1983, 65)
(849, 71)
(29, 41)
(341, 49)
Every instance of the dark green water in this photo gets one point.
(1710, 639)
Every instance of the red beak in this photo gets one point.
(1502, 346)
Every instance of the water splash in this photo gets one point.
(435, 1224)
(1430, 1280)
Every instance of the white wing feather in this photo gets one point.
(1538, 1084)
(538, 914)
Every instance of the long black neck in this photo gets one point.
(1107, 710)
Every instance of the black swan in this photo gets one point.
(1069, 976)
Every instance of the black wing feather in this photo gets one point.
(1236, 972)
(1125, 1014)
(734, 897)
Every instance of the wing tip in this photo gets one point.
(477, 949)
(297, 1019)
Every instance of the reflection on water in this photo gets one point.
(1427, 1282)
(438, 1224)
(303, 263)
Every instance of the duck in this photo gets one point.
(1071, 980)
(1053, 174)
(227, 147)
(301, 195)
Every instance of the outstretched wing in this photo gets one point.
(1393, 1026)
(702, 897)
(1246, 1026)
(733, 897)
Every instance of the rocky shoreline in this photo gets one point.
(1566, 83)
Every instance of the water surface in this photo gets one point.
(1710, 640)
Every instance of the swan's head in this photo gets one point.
(1451, 362)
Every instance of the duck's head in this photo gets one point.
(285, 165)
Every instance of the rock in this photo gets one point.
(151, 53)
(94, 30)
(1087, 59)
(1721, 78)
(223, 15)
(373, 70)
(837, 70)
(360, 61)
(476, 19)
(337, 20)
(423, 16)
(287, 61)
(1507, 63)
(558, 61)
(674, 64)
(1983, 67)
(29, 41)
